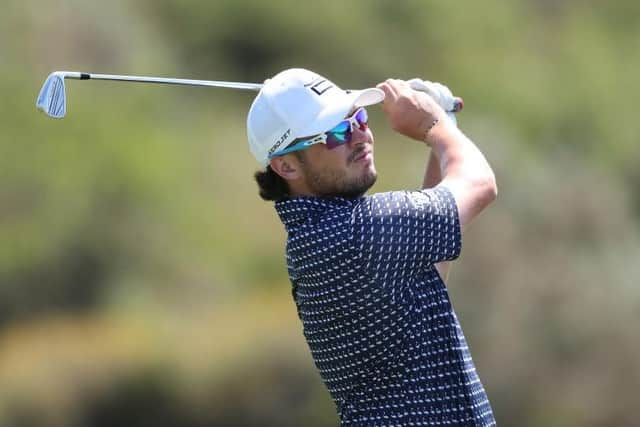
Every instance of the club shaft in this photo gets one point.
(163, 80)
(458, 104)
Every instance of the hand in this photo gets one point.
(410, 112)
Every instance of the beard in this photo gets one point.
(336, 183)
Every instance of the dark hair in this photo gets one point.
(272, 186)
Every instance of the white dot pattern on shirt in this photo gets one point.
(376, 315)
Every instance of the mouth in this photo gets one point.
(359, 155)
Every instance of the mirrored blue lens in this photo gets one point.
(339, 135)
(336, 138)
(361, 117)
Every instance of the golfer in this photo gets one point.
(368, 271)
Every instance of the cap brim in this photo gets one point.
(366, 97)
(330, 117)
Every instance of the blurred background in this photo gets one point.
(142, 279)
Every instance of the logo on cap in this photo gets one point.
(319, 85)
(282, 139)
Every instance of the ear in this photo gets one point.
(286, 166)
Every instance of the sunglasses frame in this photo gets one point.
(303, 144)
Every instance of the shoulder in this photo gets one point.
(403, 203)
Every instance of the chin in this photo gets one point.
(372, 169)
(366, 181)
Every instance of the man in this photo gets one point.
(367, 271)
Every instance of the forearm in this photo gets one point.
(463, 169)
(432, 176)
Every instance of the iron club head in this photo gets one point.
(52, 99)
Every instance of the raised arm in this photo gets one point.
(463, 168)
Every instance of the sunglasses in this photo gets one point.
(339, 135)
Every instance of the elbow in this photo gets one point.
(473, 193)
(488, 189)
(491, 188)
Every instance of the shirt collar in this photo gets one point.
(297, 210)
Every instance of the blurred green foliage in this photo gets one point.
(142, 280)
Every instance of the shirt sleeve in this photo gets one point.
(404, 231)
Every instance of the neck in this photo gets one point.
(300, 189)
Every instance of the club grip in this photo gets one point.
(458, 104)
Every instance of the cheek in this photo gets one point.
(322, 156)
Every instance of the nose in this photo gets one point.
(359, 135)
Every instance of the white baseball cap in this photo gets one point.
(298, 103)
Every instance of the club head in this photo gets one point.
(52, 99)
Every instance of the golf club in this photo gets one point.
(52, 99)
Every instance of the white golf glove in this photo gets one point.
(439, 92)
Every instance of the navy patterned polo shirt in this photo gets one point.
(376, 314)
